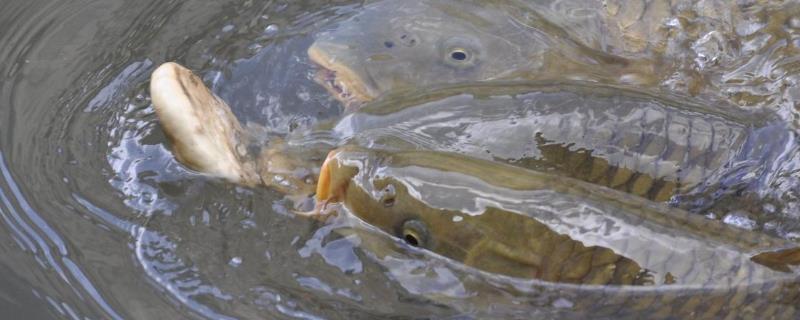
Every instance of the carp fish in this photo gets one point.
(389, 45)
(656, 147)
(610, 253)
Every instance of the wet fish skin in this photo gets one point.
(723, 264)
(650, 146)
(391, 45)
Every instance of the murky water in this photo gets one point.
(99, 221)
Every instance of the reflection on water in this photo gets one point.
(98, 219)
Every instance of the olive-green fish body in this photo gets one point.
(526, 224)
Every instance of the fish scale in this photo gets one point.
(658, 260)
(627, 140)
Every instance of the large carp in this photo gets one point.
(646, 145)
(389, 45)
(533, 224)
(631, 257)
(520, 223)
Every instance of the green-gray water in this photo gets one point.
(98, 220)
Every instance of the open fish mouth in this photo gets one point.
(341, 82)
(327, 78)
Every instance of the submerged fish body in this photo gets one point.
(389, 45)
(526, 224)
(652, 147)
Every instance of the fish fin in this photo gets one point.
(779, 260)
(201, 127)
(322, 211)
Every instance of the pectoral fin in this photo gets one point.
(779, 260)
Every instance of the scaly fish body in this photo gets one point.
(522, 223)
(627, 140)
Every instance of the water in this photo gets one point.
(98, 220)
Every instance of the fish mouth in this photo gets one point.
(339, 80)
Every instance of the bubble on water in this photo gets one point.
(748, 27)
(271, 29)
(304, 95)
(794, 22)
(709, 49)
(248, 224)
(235, 261)
(227, 28)
(458, 218)
(739, 219)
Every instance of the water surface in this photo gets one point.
(98, 220)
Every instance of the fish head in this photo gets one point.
(493, 240)
(392, 45)
(354, 178)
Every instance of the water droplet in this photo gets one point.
(271, 29)
(739, 219)
(304, 95)
(794, 22)
(235, 261)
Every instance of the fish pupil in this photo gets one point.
(411, 239)
(415, 233)
(458, 55)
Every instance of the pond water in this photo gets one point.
(99, 221)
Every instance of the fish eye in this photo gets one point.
(458, 54)
(415, 233)
(461, 52)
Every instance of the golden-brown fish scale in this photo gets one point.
(642, 185)
(620, 177)
(600, 275)
(599, 169)
(577, 267)
(579, 163)
(644, 302)
(561, 251)
(663, 191)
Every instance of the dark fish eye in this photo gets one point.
(458, 55)
(411, 239)
(415, 233)
(388, 44)
(462, 53)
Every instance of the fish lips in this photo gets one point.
(338, 77)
